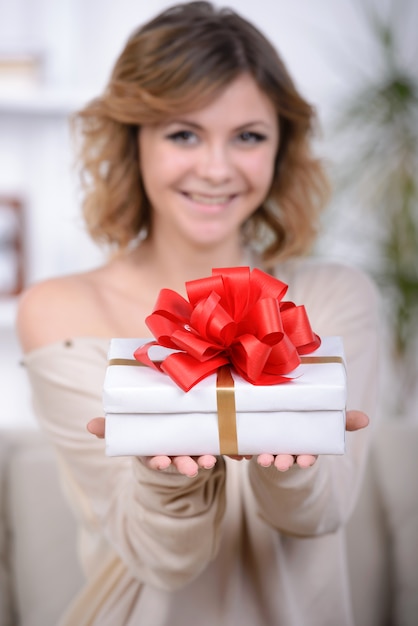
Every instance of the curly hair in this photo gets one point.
(181, 60)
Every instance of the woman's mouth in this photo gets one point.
(209, 199)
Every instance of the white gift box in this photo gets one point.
(148, 414)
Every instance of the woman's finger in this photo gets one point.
(96, 427)
(305, 460)
(185, 465)
(160, 462)
(206, 461)
(283, 462)
(355, 420)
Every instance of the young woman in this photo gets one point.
(197, 156)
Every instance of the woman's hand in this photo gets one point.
(189, 466)
(186, 465)
(355, 420)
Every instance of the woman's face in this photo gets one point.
(206, 172)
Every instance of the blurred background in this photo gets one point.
(355, 60)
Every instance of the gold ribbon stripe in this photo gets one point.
(227, 415)
(304, 360)
(310, 360)
(128, 362)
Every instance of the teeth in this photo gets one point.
(208, 199)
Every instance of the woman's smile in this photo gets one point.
(209, 199)
(208, 204)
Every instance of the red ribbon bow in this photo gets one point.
(234, 317)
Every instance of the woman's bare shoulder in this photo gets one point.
(57, 308)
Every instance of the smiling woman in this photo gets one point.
(171, 66)
(197, 156)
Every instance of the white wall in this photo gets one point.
(322, 42)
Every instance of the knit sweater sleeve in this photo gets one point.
(339, 301)
(163, 526)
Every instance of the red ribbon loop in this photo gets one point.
(236, 317)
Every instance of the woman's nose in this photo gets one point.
(214, 163)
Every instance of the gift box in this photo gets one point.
(147, 413)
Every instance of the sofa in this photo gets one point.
(39, 571)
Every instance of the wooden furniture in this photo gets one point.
(12, 261)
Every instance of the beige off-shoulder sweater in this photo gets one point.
(238, 545)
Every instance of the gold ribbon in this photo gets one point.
(227, 415)
(311, 360)
(128, 362)
(303, 359)
(225, 399)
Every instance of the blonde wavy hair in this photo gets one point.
(181, 60)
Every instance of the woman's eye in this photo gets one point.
(183, 136)
(250, 137)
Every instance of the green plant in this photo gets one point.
(380, 172)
